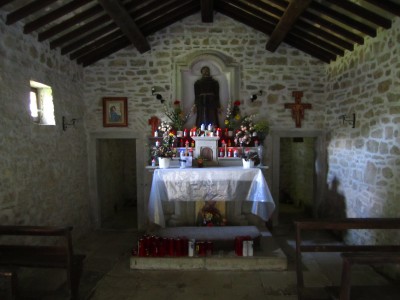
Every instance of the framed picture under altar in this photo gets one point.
(115, 112)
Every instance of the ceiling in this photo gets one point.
(89, 30)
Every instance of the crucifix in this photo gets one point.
(298, 107)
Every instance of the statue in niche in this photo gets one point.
(206, 91)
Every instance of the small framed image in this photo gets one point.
(115, 112)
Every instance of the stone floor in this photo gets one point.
(107, 275)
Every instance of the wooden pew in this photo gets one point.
(352, 254)
(30, 253)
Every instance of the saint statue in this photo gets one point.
(206, 91)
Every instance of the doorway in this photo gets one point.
(116, 161)
(298, 172)
(116, 183)
(296, 177)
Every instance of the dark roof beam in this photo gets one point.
(120, 16)
(88, 38)
(363, 13)
(105, 51)
(81, 30)
(96, 44)
(226, 8)
(4, 2)
(341, 18)
(388, 6)
(287, 21)
(27, 10)
(181, 12)
(67, 24)
(207, 11)
(54, 15)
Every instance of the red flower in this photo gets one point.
(177, 102)
(236, 103)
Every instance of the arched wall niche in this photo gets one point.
(222, 67)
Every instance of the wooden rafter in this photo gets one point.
(27, 10)
(207, 11)
(363, 13)
(54, 15)
(120, 16)
(388, 6)
(289, 18)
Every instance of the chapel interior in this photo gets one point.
(336, 157)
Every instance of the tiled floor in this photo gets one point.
(107, 275)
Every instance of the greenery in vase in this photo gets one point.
(262, 128)
(177, 116)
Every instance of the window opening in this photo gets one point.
(41, 104)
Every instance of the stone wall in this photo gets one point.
(131, 74)
(43, 177)
(364, 162)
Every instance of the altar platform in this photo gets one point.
(268, 256)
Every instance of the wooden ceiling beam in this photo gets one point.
(340, 31)
(86, 39)
(87, 27)
(105, 51)
(287, 21)
(67, 24)
(207, 11)
(184, 11)
(341, 18)
(267, 28)
(388, 6)
(81, 31)
(97, 44)
(363, 13)
(120, 16)
(54, 15)
(4, 2)
(27, 10)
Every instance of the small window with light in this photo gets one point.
(41, 104)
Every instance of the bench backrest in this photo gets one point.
(339, 225)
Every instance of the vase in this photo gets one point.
(163, 162)
(260, 153)
(247, 164)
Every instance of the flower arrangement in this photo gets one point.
(166, 148)
(177, 116)
(243, 136)
(210, 215)
(232, 114)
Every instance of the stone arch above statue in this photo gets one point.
(222, 68)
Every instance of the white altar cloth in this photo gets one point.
(210, 184)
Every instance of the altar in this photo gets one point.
(232, 184)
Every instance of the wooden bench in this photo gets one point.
(351, 254)
(54, 254)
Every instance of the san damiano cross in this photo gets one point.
(298, 108)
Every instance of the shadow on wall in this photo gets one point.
(334, 203)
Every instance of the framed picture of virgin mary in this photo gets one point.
(115, 112)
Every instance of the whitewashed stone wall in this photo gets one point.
(364, 162)
(43, 170)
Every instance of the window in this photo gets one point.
(41, 104)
